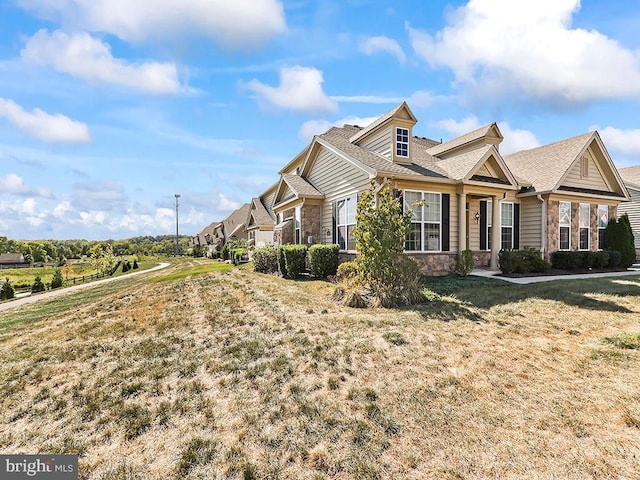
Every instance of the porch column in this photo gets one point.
(495, 232)
(462, 222)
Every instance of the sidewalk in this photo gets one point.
(479, 272)
(24, 300)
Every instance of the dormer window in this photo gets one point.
(402, 142)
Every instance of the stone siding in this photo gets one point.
(436, 264)
(553, 226)
(310, 223)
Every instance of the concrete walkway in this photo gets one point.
(478, 272)
(19, 302)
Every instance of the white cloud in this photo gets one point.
(225, 203)
(514, 139)
(502, 47)
(62, 209)
(90, 59)
(44, 126)
(621, 140)
(233, 24)
(373, 45)
(419, 98)
(317, 127)
(14, 184)
(300, 89)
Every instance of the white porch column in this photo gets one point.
(462, 222)
(495, 232)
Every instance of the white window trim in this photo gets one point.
(507, 226)
(605, 207)
(564, 226)
(398, 143)
(346, 225)
(297, 225)
(588, 227)
(423, 222)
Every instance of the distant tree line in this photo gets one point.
(57, 251)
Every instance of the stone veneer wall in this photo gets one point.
(310, 223)
(435, 263)
(575, 225)
(553, 226)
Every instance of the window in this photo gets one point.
(506, 226)
(298, 221)
(489, 222)
(426, 220)
(402, 142)
(346, 222)
(583, 226)
(603, 220)
(564, 242)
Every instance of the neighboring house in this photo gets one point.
(631, 178)
(261, 219)
(556, 197)
(12, 260)
(206, 239)
(234, 226)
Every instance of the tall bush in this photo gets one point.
(464, 263)
(620, 239)
(265, 259)
(382, 226)
(38, 285)
(282, 266)
(323, 260)
(56, 280)
(7, 292)
(295, 257)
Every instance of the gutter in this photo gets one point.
(543, 234)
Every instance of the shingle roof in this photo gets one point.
(236, 218)
(300, 186)
(379, 121)
(630, 175)
(459, 166)
(462, 140)
(424, 165)
(11, 258)
(259, 213)
(545, 166)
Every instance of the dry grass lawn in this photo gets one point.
(234, 374)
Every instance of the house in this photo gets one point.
(260, 220)
(631, 178)
(234, 226)
(555, 197)
(12, 260)
(205, 239)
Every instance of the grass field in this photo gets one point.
(232, 374)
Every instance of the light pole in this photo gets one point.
(177, 195)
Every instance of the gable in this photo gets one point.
(492, 171)
(585, 173)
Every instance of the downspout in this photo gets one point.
(543, 234)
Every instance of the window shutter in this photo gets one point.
(483, 224)
(445, 222)
(334, 225)
(516, 226)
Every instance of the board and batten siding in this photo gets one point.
(381, 143)
(335, 178)
(593, 180)
(531, 223)
(632, 209)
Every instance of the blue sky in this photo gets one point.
(110, 107)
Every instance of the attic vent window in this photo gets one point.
(584, 166)
(402, 142)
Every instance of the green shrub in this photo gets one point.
(620, 238)
(135, 265)
(323, 260)
(601, 259)
(232, 245)
(236, 255)
(7, 292)
(464, 263)
(56, 280)
(347, 271)
(615, 259)
(295, 257)
(282, 266)
(38, 285)
(567, 260)
(528, 260)
(265, 259)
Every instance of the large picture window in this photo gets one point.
(346, 222)
(506, 226)
(564, 240)
(583, 226)
(603, 220)
(402, 142)
(426, 221)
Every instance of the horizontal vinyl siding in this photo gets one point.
(335, 178)
(594, 181)
(632, 209)
(380, 143)
(530, 223)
